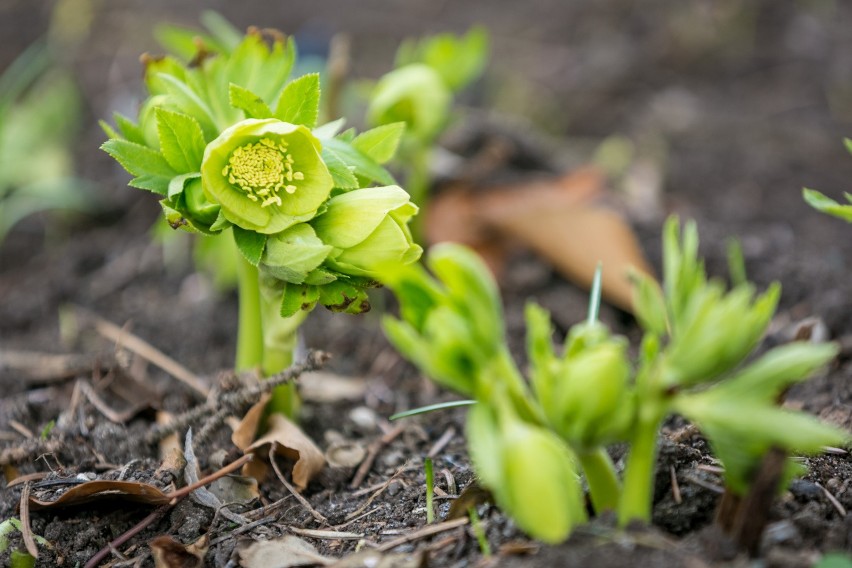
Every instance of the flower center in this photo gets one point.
(262, 169)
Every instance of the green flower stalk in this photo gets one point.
(232, 146)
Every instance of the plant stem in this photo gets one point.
(417, 184)
(280, 338)
(250, 330)
(604, 486)
(638, 494)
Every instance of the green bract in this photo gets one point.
(267, 175)
(368, 229)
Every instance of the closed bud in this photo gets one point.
(414, 94)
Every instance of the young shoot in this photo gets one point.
(231, 145)
(531, 438)
(430, 490)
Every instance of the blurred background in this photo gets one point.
(727, 108)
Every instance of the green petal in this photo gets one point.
(352, 217)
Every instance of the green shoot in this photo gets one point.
(431, 408)
(479, 531)
(595, 296)
(430, 490)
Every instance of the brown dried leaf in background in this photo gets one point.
(562, 219)
(325, 387)
(170, 553)
(105, 489)
(246, 431)
(376, 559)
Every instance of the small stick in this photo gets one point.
(242, 529)
(155, 515)
(351, 516)
(178, 494)
(372, 453)
(838, 506)
(326, 535)
(675, 487)
(148, 352)
(423, 533)
(442, 442)
(705, 484)
(26, 529)
(314, 513)
(21, 429)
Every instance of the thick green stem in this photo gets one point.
(604, 486)
(638, 493)
(280, 338)
(417, 184)
(250, 330)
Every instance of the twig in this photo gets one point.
(718, 489)
(104, 408)
(314, 513)
(838, 506)
(234, 402)
(242, 529)
(26, 529)
(155, 515)
(675, 487)
(423, 533)
(326, 535)
(21, 429)
(372, 453)
(351, 516)
(231, 467)
(147, 351)
(30, 447)
(442, 442)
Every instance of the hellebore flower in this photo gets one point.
(267, 175)
(368, 229)
(414, 94)
(292, 254)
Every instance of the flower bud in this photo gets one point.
(266, 174)
(414, 94)
(368, 229)
(590, 406)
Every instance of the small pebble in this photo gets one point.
(394, 488)
(392, 459)
(364, 418)
(805, 490)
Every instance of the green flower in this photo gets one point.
(292, 254)
(267, 175)
(368, 229)
(414, 94)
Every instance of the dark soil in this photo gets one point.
(734, 105)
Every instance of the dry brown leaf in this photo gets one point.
(170, 444)
(170, 553)
(471, 496)
(562, 219)
(246, 431)
(321, 386)
(105, 489)
(376, 559)
(286, 552)
(292, 443)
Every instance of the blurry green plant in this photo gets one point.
(827, 205)
(419, 92)
(18, 558)
(40, 111)
(231, 145)
(531, 439)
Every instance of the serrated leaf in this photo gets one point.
(298, 297)
(248, 102)
(177, 183)
(339, 296)
(827, 205)
(250, 244)
(363, 165)
(108, 129)
(340, 172)
(128, 129)
(155, 184)
(181, 140)
(381, 142)
(299, 101)
(137, 159)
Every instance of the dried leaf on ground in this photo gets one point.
(170, 553)
(286, 552)
(288, 439)
(321, 386)
(376, 559)
(564, 219)
(105, 489)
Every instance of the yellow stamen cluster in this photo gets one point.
(262, 169)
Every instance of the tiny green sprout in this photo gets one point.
(530, 439)
(431, 408)
(48, 428)
(231, 145)
(479, 532)
(430, 490)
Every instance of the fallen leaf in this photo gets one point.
(286, 552)
(246, 431)
(565, 220)
(292, 443)
(105, 489)
(471, 496)
(376, 559)
(320, 386)
(170, 553)
(345, 454)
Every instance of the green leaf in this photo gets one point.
(181, 140)
(177, 183)
(827, 205)
(340, 296)
(137, 159)
(250, 244)
(299, 101)
(329, 129)
(458, 60)
(363, 165)
(381, 142)
(298, 297)
(248, 102)
(128, 129)
(155, 184)
(340, 172)
(431, 408)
